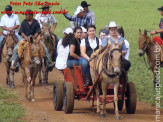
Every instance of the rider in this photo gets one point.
(9, 22)
(45, 17)
(88, 45)
(29, 26)
(160, 30)
(115, 39)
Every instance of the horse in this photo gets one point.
(152, 50)
(30, 64)
(9, 44)
(48, 38)
(108, 65)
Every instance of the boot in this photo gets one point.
(13, 67)
(87, 81)
(50, 65)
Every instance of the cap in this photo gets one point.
(78, 10)
(68, 30)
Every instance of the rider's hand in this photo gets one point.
(10, 29)
(27, 38)
(153, 32)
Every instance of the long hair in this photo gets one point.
(66, 39)
(121, 31)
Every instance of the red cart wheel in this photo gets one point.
(58, 96)
(68, 102)
(131, 98)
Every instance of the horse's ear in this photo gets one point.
(109, 43)
(140, 32)
(120, 44)
(145, 32)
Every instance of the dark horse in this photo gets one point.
(153, 51)
(48, 38)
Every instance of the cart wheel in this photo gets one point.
(131, 98)
(68, 102)
(120, 105)
(58, 96)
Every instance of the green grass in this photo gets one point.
(10, 109)
(132, 15)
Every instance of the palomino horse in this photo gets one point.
(9, 43)
(152, 49)
(30, 63)
(108, 65)
(49, 40)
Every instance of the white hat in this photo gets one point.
(78, 10)
(112, 24)
(68, 30)
(83, 29)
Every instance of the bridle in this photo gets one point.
(108, 55)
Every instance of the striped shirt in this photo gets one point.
(85, 21)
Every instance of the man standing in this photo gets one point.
(160, 30)
(9, 22)
(88, 12)
(80, 18)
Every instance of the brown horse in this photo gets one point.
(30, 63)
(108, 65)
(152, 49)
(9, 43)
(48, 38)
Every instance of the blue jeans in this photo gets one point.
(2, 37)
(83, 62)
(15, 54)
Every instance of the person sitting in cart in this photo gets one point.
(88, 45)
(63, 49)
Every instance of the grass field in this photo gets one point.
(132, 15)
(10, 109)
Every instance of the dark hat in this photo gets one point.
(8, 8)
(84, 4)
(28, 12)
(45, 5)
(160, 9)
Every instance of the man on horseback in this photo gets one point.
(29, 26)
(159, 31)
(9, 22)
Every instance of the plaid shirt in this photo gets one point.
(85, 21)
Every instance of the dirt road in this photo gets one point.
(42, 109)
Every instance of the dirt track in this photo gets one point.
(42, 109)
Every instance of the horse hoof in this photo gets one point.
(118, 117)
(98, 113)
(13, 86)
(8, 86)
(45, 83)
(103, 115)
(33, 100)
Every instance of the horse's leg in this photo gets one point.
(116, 86)
(32, 85)
(39, 75)
(12, 79)
(44, 73)
(98, 99)
(7, 77)
(104, 91)
(28, 82)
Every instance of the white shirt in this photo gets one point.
(127, 49)
(61, 61)
(92, 43)
(45, 18)
(9, 21)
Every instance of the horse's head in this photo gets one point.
(46, 32)
(115, 58)
(10, 43)
(143, 41)
(36, 51)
